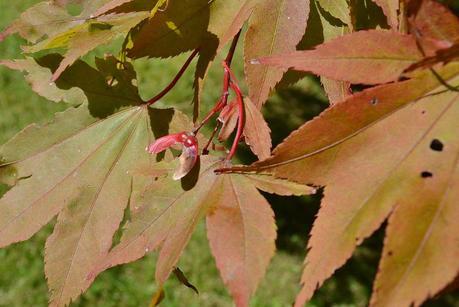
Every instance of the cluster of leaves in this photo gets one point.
(389, 151)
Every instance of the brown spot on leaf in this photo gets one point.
(426, 174)
(436, 145)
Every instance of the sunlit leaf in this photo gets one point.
(256, 131)
(391, 10)
(346, 58)
(339, 9)
(275, 27)
(80, 168)
(394, 123)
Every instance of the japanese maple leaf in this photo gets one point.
(390, 151)
(49, 26)
(78, 167)
(240, 223)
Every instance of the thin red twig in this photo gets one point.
(175, 80)
(226, 84)
(241, 118)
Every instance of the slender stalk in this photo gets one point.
(241, 118)
(175, 80)
(217, 108)
(228, 61)
(226, 84)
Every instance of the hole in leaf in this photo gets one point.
(426, 174)
(374, 101)
(436, 145)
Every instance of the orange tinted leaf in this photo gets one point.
(165, 213)
(361, 132)
(256, 131)
(276, 26)
(390, 9)
(336, 90)
(228, 117)
(241, 232)
(346, 58)
(421, 249)
(435, 21)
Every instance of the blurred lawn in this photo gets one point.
(22, 281)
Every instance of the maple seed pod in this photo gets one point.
(189, 145)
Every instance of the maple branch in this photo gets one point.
(226, 84)
(241, 119)
(175, 80)
(228, 60)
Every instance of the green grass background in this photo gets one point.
(22, 280)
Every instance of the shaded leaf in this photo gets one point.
(433, 20)
(276, 26)
(337, 8)
(336, 90)
(273, 185)
(105, 87)
(183, 26)
(183, 280)
(391, 10)
(346, 58)
(228, 117)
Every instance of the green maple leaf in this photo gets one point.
(49, 26)
(79, 167)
